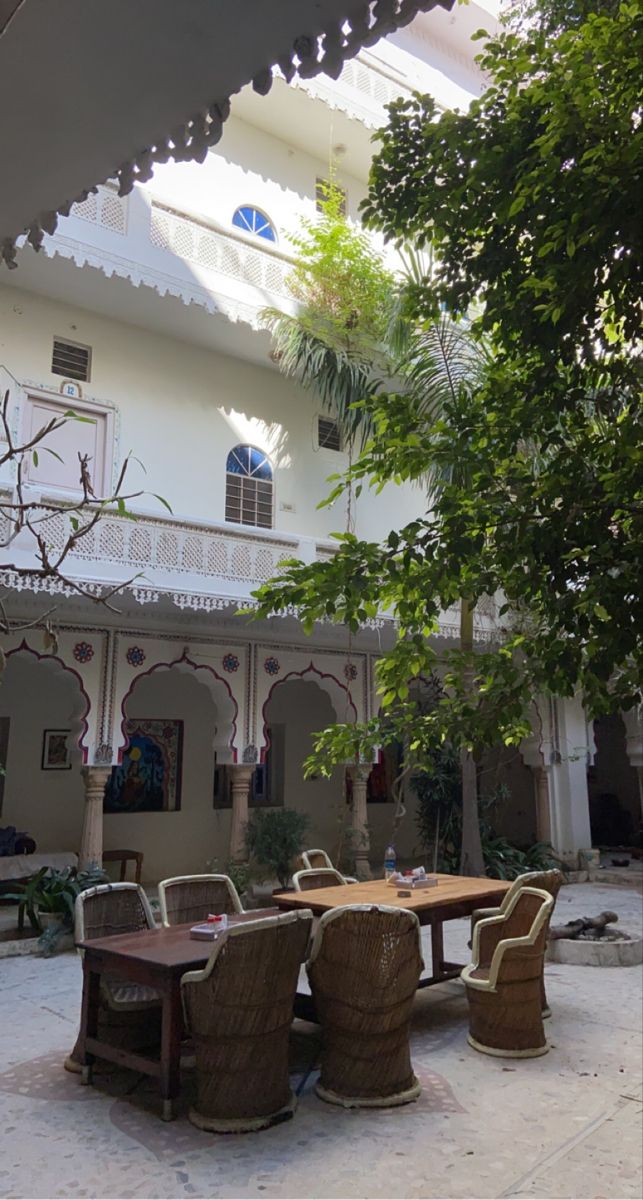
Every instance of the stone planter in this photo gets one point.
(50, 920)
(583, 952)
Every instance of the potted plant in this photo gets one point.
(274, 837)
(48, 899)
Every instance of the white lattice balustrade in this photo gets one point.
(105, 208)
(149, 543)
(264, 268)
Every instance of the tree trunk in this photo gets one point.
(471, 858)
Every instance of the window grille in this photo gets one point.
(328, 434)
(71, 360)
(252, 220)
(249, 488)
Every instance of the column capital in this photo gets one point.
(240, 774)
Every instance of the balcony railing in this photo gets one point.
(201, 241)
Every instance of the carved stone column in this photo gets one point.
(91, 840)
(361, 839)
(543, 813)
(240, 780)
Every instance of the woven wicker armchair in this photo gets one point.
(130, 1011)
(193, 897)
(319, 877)
(504, 979)
(239, 1010)
(312, 860)
(546, 881)
(364, 969)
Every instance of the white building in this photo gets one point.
(143, 313)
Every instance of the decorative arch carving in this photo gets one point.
(218, 687)
(56, 666)
(338, 693)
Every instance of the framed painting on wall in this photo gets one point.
(149, 777)
(55, 750)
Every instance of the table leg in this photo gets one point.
(437, 948)
(170, 1048)
(88, 1018)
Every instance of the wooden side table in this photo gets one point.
(123, 857)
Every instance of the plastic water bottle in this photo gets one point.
(390, 860)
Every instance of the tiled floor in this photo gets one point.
(565, 1125)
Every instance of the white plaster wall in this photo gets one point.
(48, 805)
(182, 408)
(252, 166)
(181, 842)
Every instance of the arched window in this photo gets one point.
(248, 495)
(251, 220)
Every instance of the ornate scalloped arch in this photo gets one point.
(338, 692)
(56, 667)
(219, 689)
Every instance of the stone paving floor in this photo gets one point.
(568, 1124)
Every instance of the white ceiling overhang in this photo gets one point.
(103, 89)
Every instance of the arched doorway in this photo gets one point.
(178, 721)
(43, 710)
(297, 708)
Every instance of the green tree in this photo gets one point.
(335, 345)
(352, 334)
(529, 202)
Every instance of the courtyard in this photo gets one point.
(564, 1125)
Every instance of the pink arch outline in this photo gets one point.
(311, 669)
(55, 658)
(167, 666)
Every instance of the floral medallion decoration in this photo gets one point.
(271, 666)
(135, 656)
(230, 663)
(350, 671)
(83, 652)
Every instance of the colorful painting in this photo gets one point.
(55, 750)
(149, 777)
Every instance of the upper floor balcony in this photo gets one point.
(189, 256)
(198, 565)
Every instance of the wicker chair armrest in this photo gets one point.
(489, 938)
(481, 914)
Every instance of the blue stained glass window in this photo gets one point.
(246, 460)
(251, 220)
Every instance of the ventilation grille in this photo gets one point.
(322, 191)
(71, 360)
(328, 435)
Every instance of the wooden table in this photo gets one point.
(158, 958)
(455, 896)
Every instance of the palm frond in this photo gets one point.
(339, 376)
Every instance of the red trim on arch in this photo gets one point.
(167, 666)
(54, 658)
(311, 669)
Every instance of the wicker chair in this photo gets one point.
(192, 897)
(130, 1012)
(318, 877)
(239, 1010)
(547, 881)
(364, 969)
(504, 979)
(311, 860)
